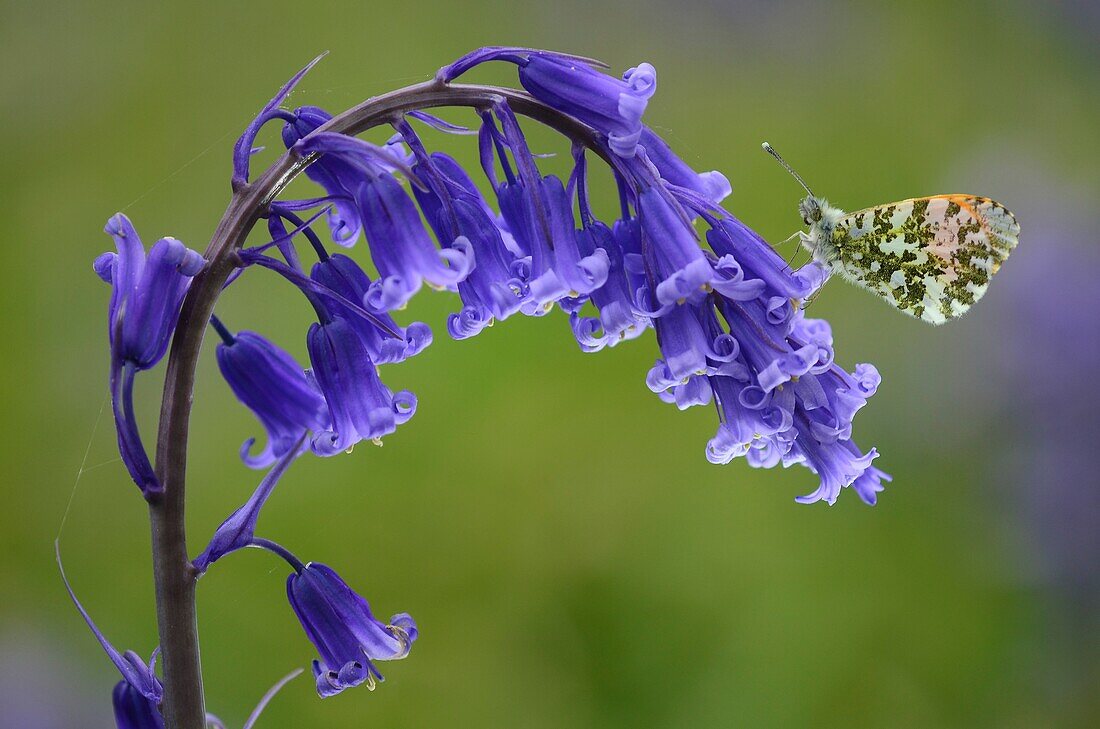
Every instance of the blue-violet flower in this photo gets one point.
(146, 295)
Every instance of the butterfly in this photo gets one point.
(931, 257)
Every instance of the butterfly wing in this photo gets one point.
(931, 257)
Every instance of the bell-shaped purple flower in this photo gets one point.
(456, 211)
(335, 174)
(571, 85)
(139, 693)
(603, 102)
(684, 341)
(712, 186)
(146, 295)
(344, 276)
(538, 213)
(757, 260)
(133, 710)
(146, 292)
(558, 267)
(400, 247)
(838, 464)
(270, 383)
(360, 406)
(339, 622)
(682, 271)
(780, 397)
(618, 318)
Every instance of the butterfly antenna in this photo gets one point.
(770, 150)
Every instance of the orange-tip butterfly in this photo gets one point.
(931, 257)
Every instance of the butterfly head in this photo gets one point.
(811, 210)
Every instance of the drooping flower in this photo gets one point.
(727, 320)
(360, 406)
(344, 276)
(605, 103)
(616, 299)
(339, 622)
(338, 177)
(270, 383)
(713, 185)
(456, 210)
(681, 271)
(139, 693)
(609, 105)
(618, 319)
(340, 346)
(146, 295)
(539, 215)
(400, 247)
(780, 397)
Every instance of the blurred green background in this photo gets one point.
(571, 557)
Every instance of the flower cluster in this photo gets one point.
(727, 315)
(727, 312)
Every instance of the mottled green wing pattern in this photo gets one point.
(931, 257)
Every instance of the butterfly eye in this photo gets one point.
(811, 211)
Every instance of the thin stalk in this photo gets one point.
(174, 576)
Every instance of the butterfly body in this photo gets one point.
(930, 257)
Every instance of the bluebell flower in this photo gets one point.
(339, 622)
(605, 103)
(270, 383)
(781, 398)
(360, 406)
(713, 185)
(340, 347)
(139, 693)
(456, 210)
(680, 269)
(146, 295)
(618, 318)
(609, 105)
(798, 408)
(538, 212)
(338, 177)
(344, 276)
(400, 247)
(729, 237)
